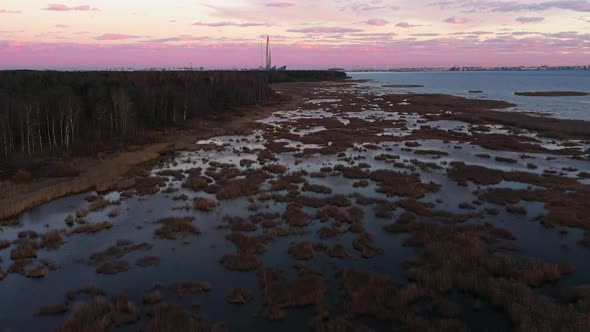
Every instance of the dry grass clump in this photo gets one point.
(81, 213)
(120, 249)
(295, 216)
(92, 228)
(308, 288)
(36, 273)
(101, 315)
(355, 173)
(241, 262)
(180, 288)
(113, 267)
(53, 309)
(98, 204)
(149, 185)
(255, 245)
(51, 240)
(248, 186)
(239, 296)
(316, 188)
(239, 224)
(337, 251)
(25, 248)
(396, 184)
(151, 297)
(364, 243)
(148, 261)
(4, 244)
(275, 168)
(369, 294)
(204, 204)
(196, 182)
(171, 227)
(70, 220)
(113, 213)
(302, 250)
(168, 318)
(506, 160)
(177, 174)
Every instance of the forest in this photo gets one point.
(64, 111)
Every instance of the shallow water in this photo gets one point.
(197, 257)
(499, 85)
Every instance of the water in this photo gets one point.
(500, 85)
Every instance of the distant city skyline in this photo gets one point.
(99, 34)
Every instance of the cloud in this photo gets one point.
(181, 38)
(229, 24)
(324, 30)
(65, 8)
(6, 11)
(456, 20)
(115, 36)
(406, 25)
(527, 20)
(378, 22)
(280, 4)
(513, 6)
(62, 26)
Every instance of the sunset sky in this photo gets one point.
(94, 34)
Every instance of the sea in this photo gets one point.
(499, 85)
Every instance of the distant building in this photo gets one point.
(268, 55)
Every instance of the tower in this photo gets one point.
(268, 55)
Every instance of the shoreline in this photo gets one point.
(107, 173)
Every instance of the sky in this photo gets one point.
(305, 34)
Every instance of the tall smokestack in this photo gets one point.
(268, 54)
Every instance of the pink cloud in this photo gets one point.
(62, 26)
(115, 36)
(406, 25)
(65, 8)
(6, 11)
(229, 24)
(378, 22)
(280, 4)
(456, 20)
(527, 20)
(324, 30)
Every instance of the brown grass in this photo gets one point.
(316, 188)
(204, 204)
(51, 240)
(101, 315)
(25, 248)
(120, 249)
(23, 176)
(148, 261)
(171, 227)
(112, 267)
(180, 288)
(168, 318)
(239, 296)
(36, 273)
(241, 262)
(308, 288)
(98, 204)
(338, 251)
(152, 297)
(302, 250)
(53, 309)
(92, 228)
(363, 243)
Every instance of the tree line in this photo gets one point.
(47, 111)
